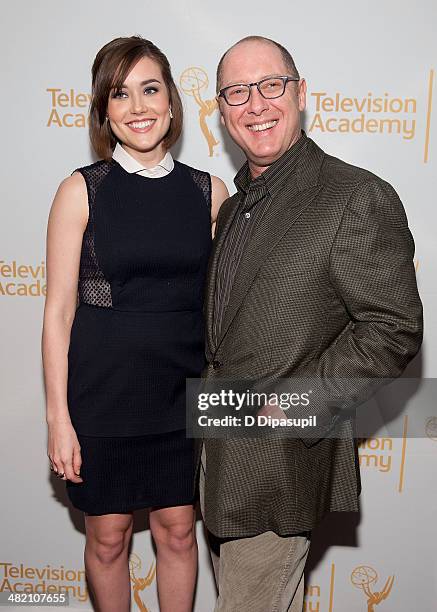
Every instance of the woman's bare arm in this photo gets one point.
(67, 221)
(219, 195)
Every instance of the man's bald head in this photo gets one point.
(286, 56)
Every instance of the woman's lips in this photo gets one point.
(141, 126)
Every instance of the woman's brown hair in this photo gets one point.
(111, 66)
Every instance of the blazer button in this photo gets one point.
(216, 364)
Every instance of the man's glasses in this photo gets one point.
(272, 87)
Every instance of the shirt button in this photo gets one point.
(216, 364)
(247, 215)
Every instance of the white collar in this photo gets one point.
(131, 165)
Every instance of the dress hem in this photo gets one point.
(139, 506)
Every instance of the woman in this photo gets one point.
(131, 234)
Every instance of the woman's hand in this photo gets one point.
(64, 451)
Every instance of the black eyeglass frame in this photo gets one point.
(284, 79)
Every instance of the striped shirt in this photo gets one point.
(255, 197)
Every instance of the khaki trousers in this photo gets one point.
(263, 573)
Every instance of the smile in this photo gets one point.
(141, 125)
(261, 127)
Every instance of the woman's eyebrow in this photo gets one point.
(146, 82)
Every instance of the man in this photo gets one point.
(311, 276)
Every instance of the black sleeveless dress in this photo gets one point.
(138, 333)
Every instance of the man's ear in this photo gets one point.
(222, 121)
(302, 94)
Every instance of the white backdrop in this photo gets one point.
(370, 72)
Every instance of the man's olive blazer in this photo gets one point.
(326, 288)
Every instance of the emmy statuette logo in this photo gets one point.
(193, 81)
(431, 428)
(140, 583)
(363, 577)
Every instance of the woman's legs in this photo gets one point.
(173, 530)
(106, 560)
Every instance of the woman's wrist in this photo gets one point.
(58, 416)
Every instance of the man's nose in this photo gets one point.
(256, 103)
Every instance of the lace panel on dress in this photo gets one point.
(203, 181)
(93, 288)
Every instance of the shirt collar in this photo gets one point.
(131, 165)
(271, 180)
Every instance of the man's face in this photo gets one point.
(263, 129)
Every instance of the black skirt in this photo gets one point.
(122, 474)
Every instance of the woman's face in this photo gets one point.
(139, 112)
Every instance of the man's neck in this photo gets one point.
(256, 170)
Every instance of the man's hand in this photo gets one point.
(273, 411)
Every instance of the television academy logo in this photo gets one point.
(361, 114)
(22, 578)
(18, 279)
(312, 598)
(372, 113)
(378, 453)
(68, 108)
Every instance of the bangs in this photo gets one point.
(125, 65)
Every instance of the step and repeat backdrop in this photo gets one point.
(370, 69)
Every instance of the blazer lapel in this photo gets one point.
(297, 193)
(276, 222)
(231, 207)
